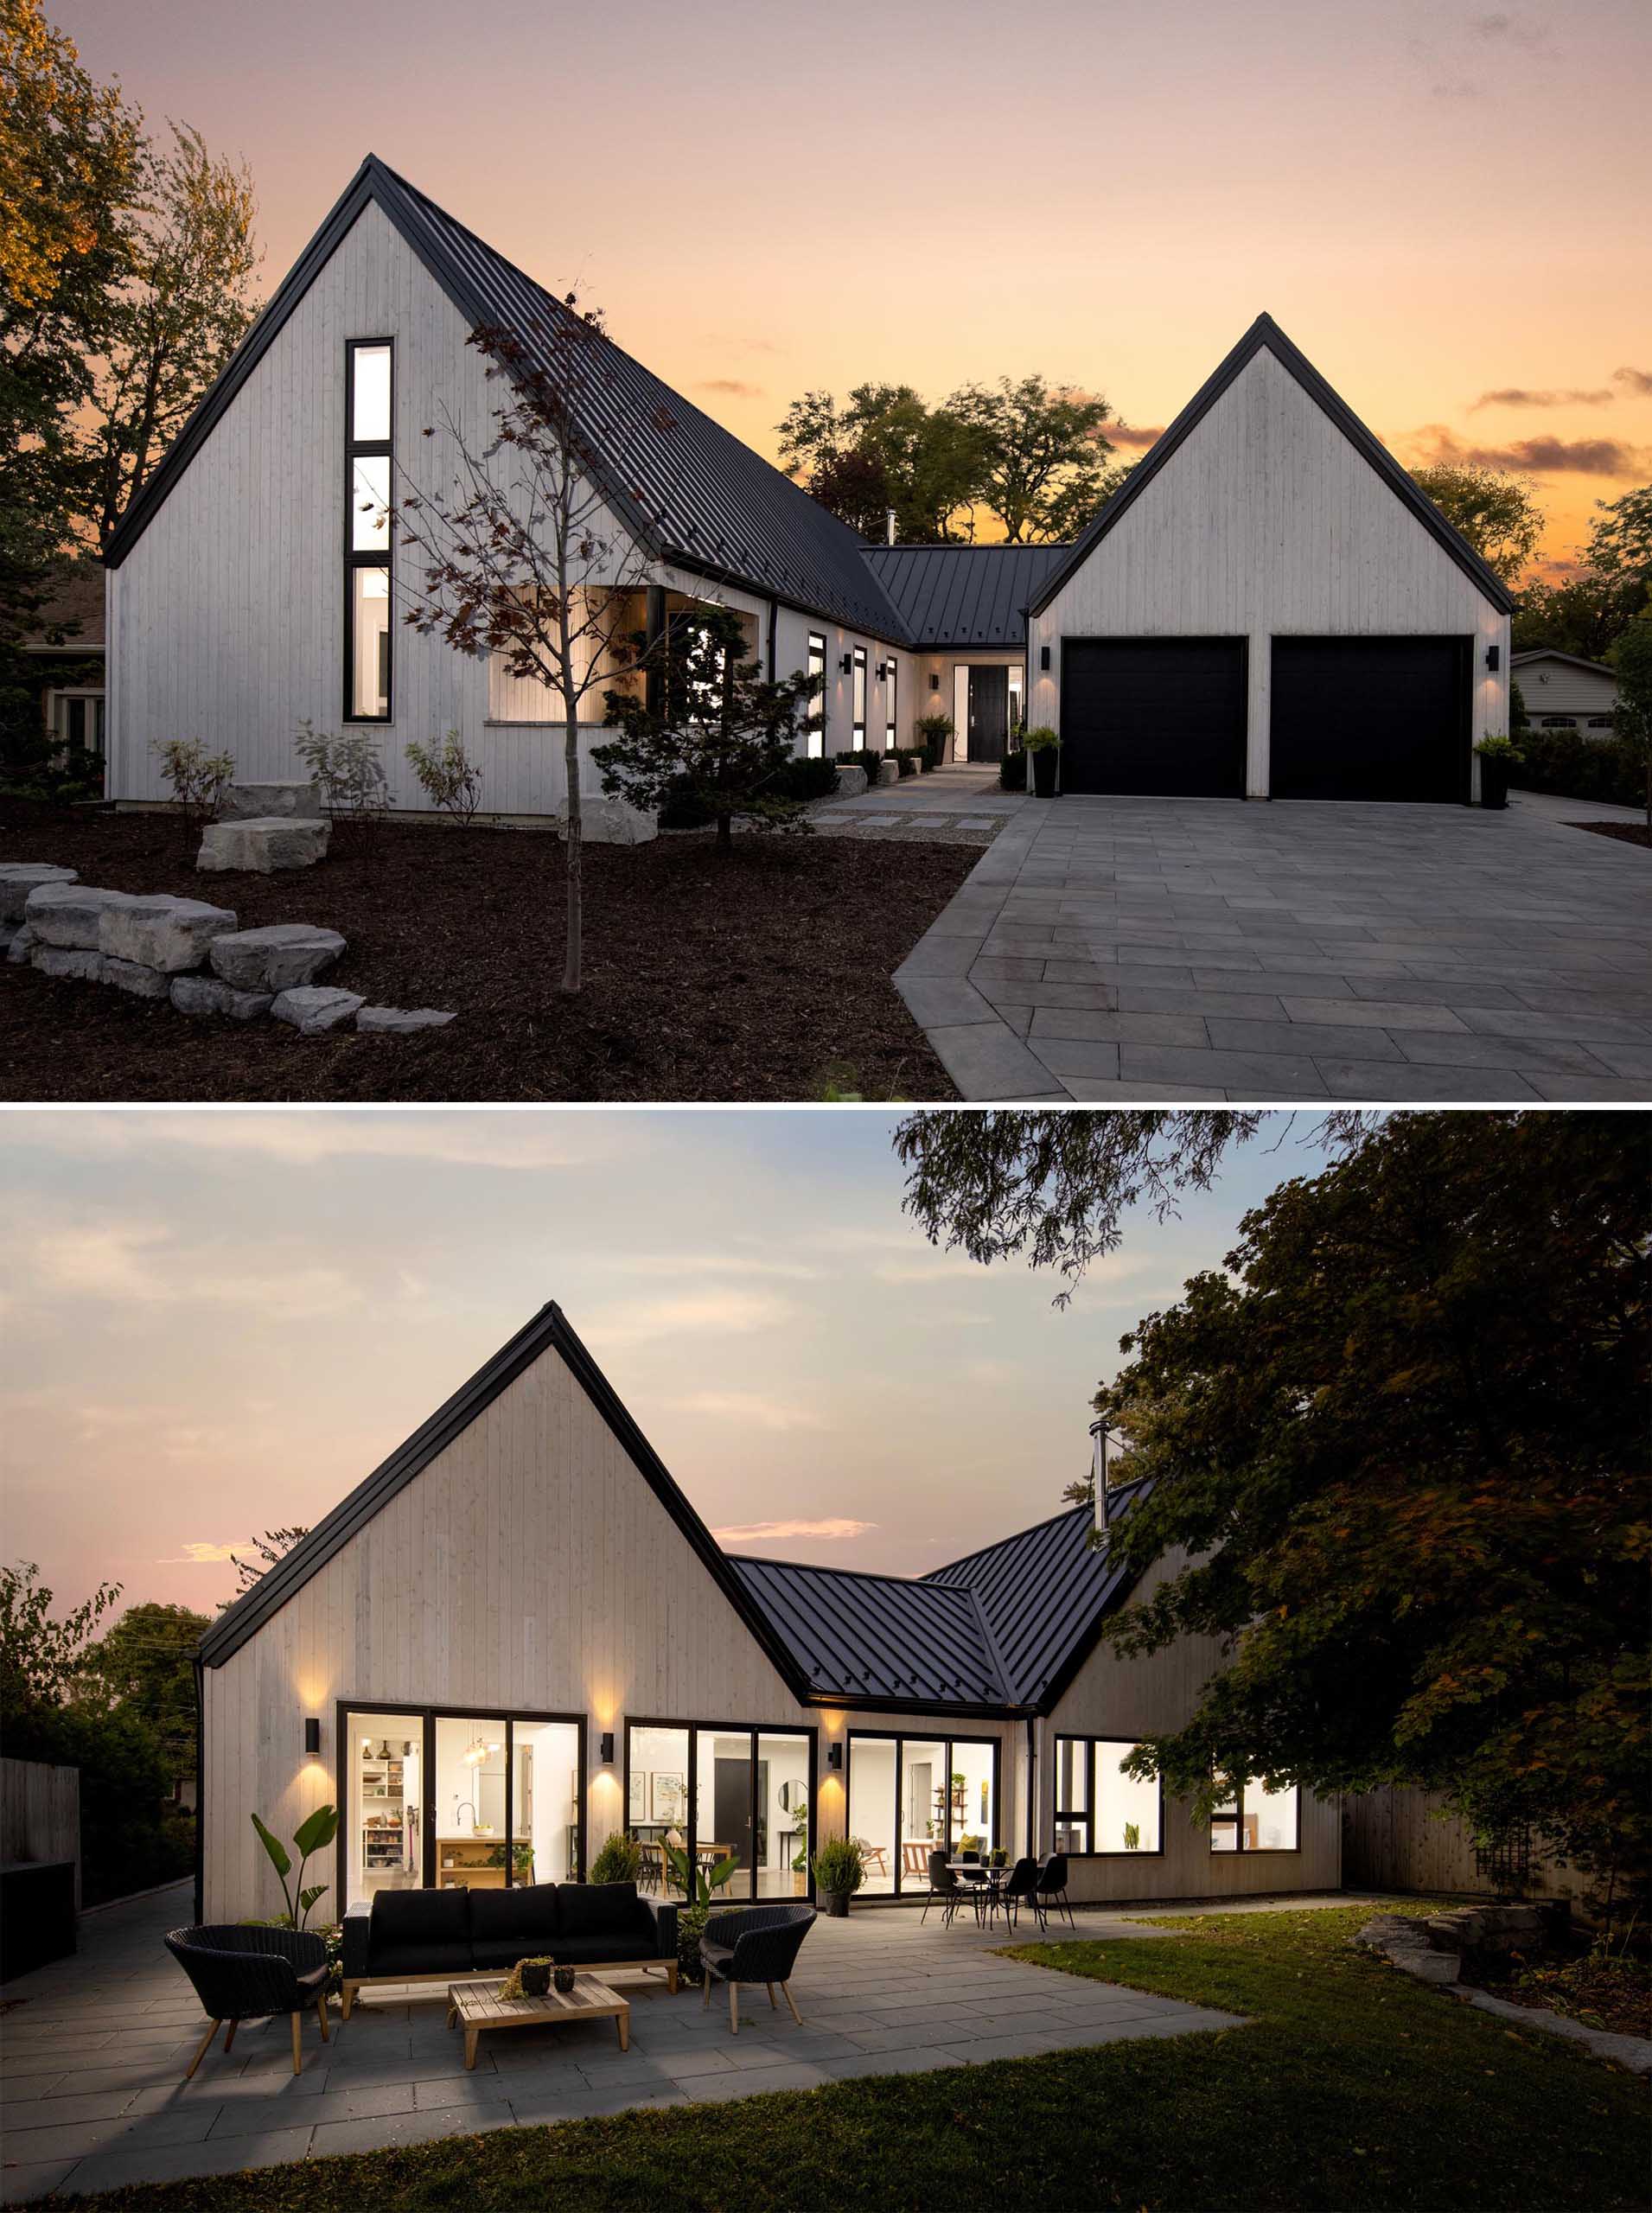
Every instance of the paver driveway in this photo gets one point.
(1132, 948)
(95, 2047)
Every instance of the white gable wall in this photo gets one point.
(1266, 521)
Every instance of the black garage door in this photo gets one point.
(1370, 718)
(1163, 716)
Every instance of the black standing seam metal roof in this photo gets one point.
(964, 595)
(1265, 332)
(694, 494)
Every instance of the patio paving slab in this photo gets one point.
(1317, 919)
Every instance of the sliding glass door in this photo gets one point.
(722, 1792)
(911, 1795)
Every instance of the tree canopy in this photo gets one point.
(1496, 511)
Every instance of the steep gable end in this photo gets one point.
(1265, 334)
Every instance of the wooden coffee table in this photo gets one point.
(477, 2005)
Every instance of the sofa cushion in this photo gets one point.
(421, 1958)
(611, 1950)
(599, 1908)
(525, 1915)
(409, 1921)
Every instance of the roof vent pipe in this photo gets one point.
(889, 525)
(1099, 1473)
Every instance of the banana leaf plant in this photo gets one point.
(313, 1834)
(692, 1881)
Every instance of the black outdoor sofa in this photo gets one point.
(445, 1935)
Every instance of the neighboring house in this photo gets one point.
(1267, 606)
(1562, 691)
(65, 655)
(519, 1629)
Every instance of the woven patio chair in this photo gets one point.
(754, 1944)
(248, 1974)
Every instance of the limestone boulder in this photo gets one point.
(79, 963)
(279, 800)
(398, 1020)
(23, 944)
(207, 995)
(609, 822)
(313, 1011)
(70, 915)
(264, 844)
(134, 976)
(851, 781)
(170, 935)
(280, 956)
(19, 879)
(889, 772)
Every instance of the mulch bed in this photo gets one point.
(1614, 1994)
(1628, 833)
(761, 976)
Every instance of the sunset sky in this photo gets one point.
(217, 1323)
(1444, 204)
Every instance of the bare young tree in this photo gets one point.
(527, 555)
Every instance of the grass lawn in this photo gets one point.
(1352, 2088)
(761, 975)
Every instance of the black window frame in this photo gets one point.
(1235, 1821)
(753, 1731)
(1061, 1814)
(428, 1715)
(900, 1738)
(858, 688)
(890, 735)
(355, 560)
(817, 647)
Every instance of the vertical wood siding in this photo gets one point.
(39, 1813)
(1403, 1840)
(1266, 521)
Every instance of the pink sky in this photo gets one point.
(1438, 202)
(217, 1322)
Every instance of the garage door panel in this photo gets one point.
(1159, 718)
(1370, 718)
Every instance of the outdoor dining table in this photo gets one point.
(988, 1880)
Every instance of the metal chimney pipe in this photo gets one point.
(1098, 1471)
(889, 525)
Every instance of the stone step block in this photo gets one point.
(170, 935)
(71, 915)
(264, 844)
(81, 963)
(207, 995)
(279, 800)
(23, 944)
(19, 879)
(136, 977)
(609, 822)
(397, 1020)
(313, 1011)
(280, 957)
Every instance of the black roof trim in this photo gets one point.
(549, 1329)
(1265, 332)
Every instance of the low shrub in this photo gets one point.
(910, 762)
(684, 808)
(805, 781)
(1012, 773)
(350, 774)
(448, 776)
(691, 1927)
(198, 780)
(619, 1860)
(1575, 765)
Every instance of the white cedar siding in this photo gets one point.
(529, 1567)
(226, 618)
(1266, 521)
(1130, 1699)
(792, 631)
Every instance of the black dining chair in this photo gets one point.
(1021, 1883)
(243, 1974)
(946, 1889)
(754, 1944)
(1051, 1889)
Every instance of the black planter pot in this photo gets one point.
(1043, 771)
(834, 1904)
(1493, 782)
(536, 1979)
(564, 1978)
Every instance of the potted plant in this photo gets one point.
(529, 1978)
(801, 1857)
(932, 732)
(1044, 745)
(697, 1887)
(1499, 756)
(1133, 1836)
(998, 1857)
(840, 1871)
(564, 1977)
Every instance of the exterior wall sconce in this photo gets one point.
(846, 663)
(312, 1737)
(1044, 656)
(607, 1748)
(1493, 658)
(934, 681)
(834, 1757)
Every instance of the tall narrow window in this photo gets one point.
(859, 699)
(817, 677)
(369, 387)
(889, 705)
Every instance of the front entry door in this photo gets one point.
(989, 713)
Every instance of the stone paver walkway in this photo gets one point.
(960, 805)
(1172, 949)
(94, 2048)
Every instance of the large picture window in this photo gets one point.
(858, 697)
(816, 671)
(911, 1795)
(718, 1792)
(1256, 1819)
(1099, 1808)
(369, 460)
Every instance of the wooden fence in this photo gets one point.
(1397, 1841)
(39, 1813)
